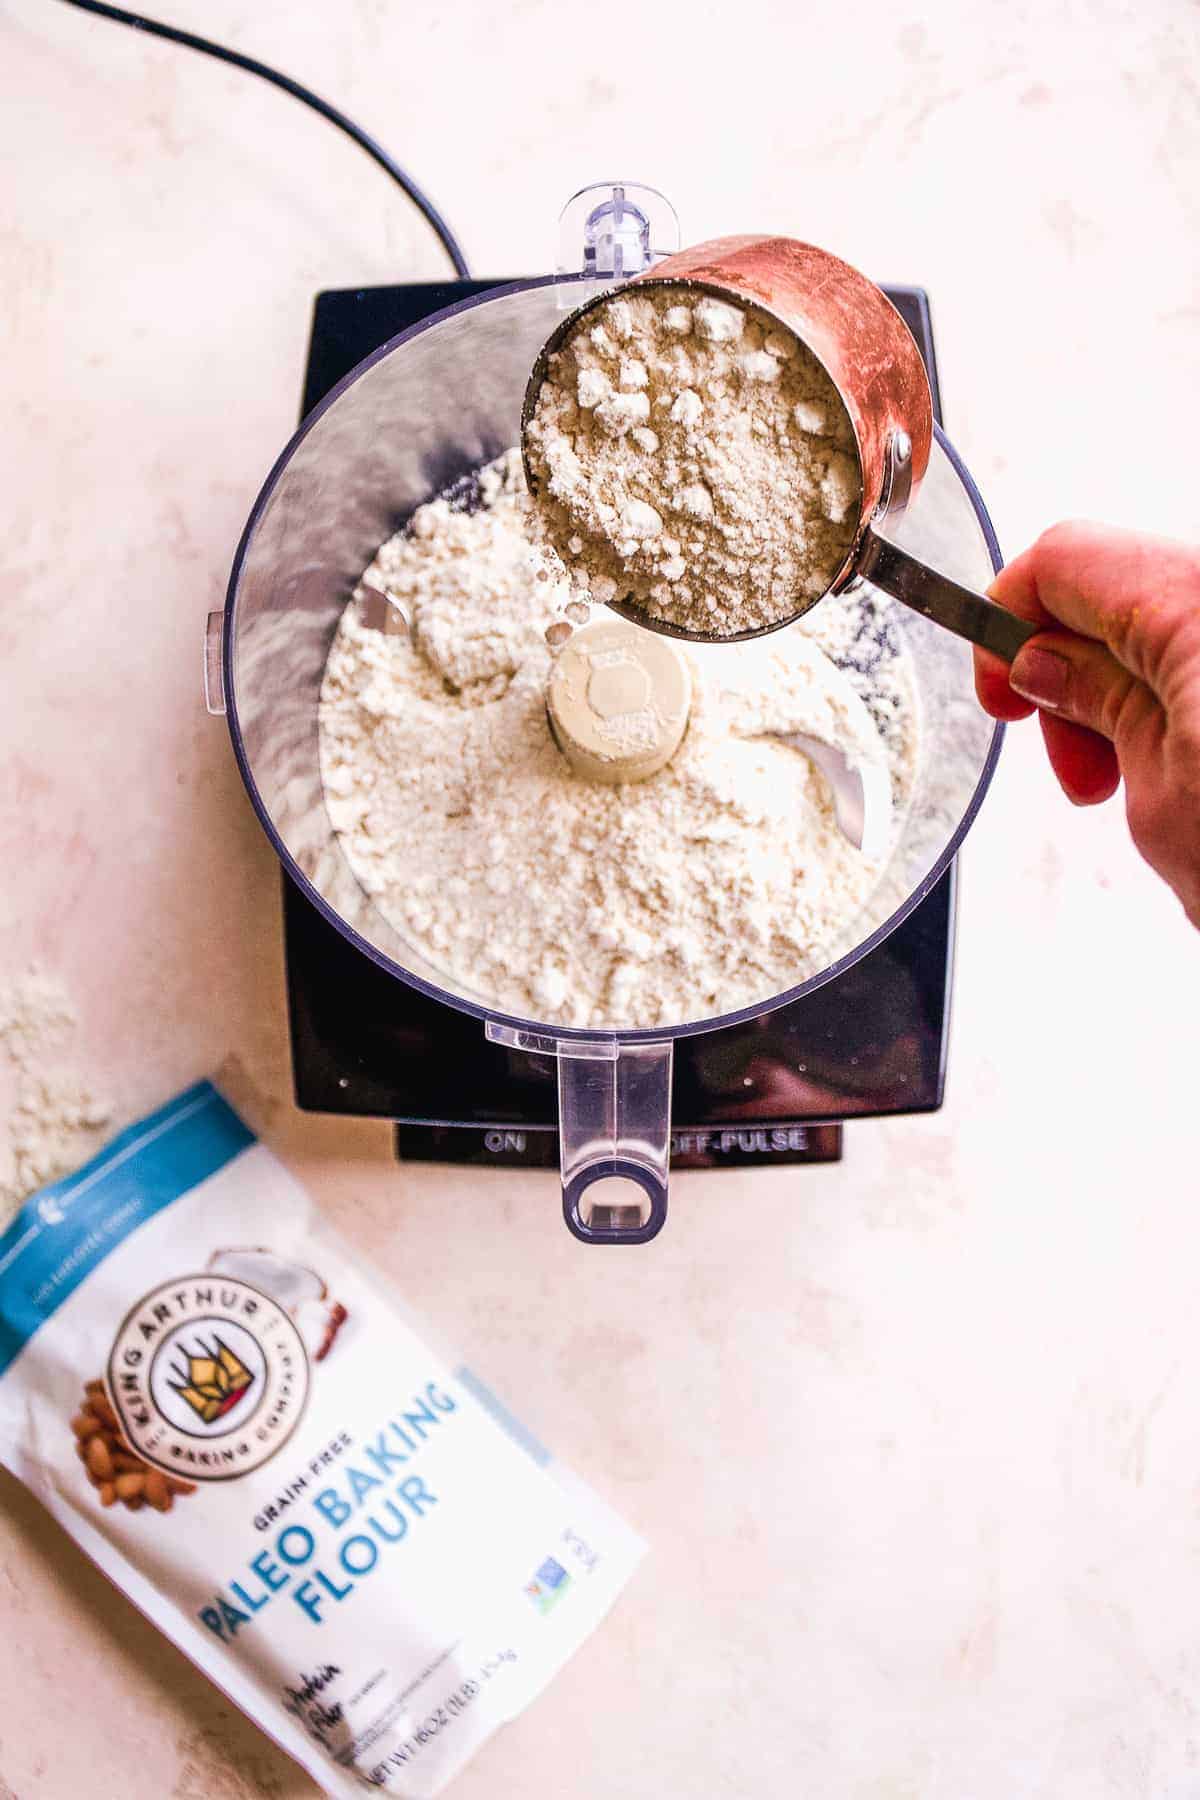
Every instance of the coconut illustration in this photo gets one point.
(299, 1290)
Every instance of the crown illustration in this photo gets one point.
(213, 1381)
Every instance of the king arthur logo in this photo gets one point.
(209, 1377)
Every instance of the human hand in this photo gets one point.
(1116, 678)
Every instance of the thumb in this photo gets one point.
(1078, 679)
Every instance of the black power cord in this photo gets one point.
(365, 142)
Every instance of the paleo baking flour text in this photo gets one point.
(366, 1496)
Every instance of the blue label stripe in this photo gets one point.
(67, 1229)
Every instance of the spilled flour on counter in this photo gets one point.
(717, 882)
(50, 1112)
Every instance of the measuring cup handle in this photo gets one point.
(614, 1118)
(936, 597)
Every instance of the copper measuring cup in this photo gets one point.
(869, 354)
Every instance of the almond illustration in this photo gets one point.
(114, 1469)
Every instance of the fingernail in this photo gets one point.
(1040, 676)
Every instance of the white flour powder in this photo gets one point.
(695, 457)
(718, 882)
(50, 1110)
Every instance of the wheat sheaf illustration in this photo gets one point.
(213, 1381)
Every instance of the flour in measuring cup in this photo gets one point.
(693, 457)
(715, 884)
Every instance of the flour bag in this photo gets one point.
(356, 1543)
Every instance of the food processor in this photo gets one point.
(430, 405)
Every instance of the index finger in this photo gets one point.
(1123, 589)
(1128, 591)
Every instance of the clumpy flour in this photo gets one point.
(695, 458)
(717, 882)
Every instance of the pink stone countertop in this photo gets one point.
(912, 1437)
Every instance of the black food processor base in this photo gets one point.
(772, 1090)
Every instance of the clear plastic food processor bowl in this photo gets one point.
(432, 404)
